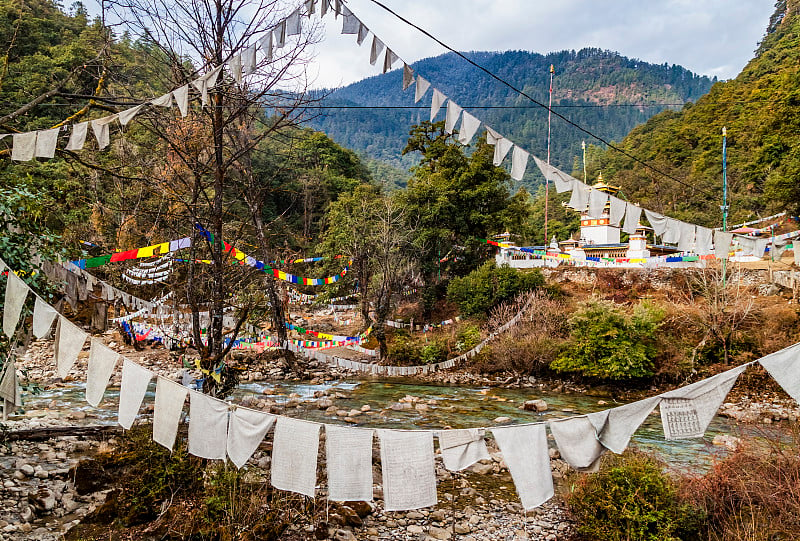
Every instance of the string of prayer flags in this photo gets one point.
(348, 459)
(246, 430)
(462, 448)
(208, 426)
(686, 412)
(170, 397)
(16, 293)
(43, 317)
(102, 361)
(68, 344)
(294, 456)
(525, 452)
(409, 476)
(135, 380)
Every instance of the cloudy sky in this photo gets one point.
(709, 37)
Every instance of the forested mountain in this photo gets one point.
(760, 109)
(591, 87)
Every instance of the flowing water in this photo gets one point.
(450, 406)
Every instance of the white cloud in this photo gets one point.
(709, 37)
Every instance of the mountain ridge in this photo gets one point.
(592, 87)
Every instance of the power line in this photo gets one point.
(533, 100)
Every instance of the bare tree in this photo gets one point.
(207, 174)
(717, 303)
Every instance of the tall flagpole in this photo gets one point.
(724, 206)
(583, 147)
(546, 183)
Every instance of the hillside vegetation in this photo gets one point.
(583, 80)
(761, 110)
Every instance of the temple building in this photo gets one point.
(597, 238)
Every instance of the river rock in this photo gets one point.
(439, 533)
(27, 469)
(502, 420)
(89, 476)
(535, 405)
(324, 403)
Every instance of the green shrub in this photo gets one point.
(489, 285)
(467, 337)
(433, 352)
(605, 343)
(404, 349)
(632, 499)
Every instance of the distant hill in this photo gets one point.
(760, 109)
(591, 87)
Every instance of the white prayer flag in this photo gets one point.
(181, 94)
(597, 202)
(632, 215)
(421, 88)
(686, 241)
(128, 114)
(376, 50)
(657, 221)
(409, 475)
(310, 7)
(672, 231)
(9, 386)
(501, 149)
(408, 76)
(436, 102)
(46, 141)
(462, 448)
(580, 196)
(616, 210)
(293, 24)
(519, 161)
(348, 457)
(389, 59)
(78, 136)
(759, 247)
(208, 426)
(68, 344)
(16, 293)
(469, 125)
(101, 130)
(616, 426)
(249, 58)
(561, 180)
(170, 397)
(43, 316)
(246, 431)
(524, 449)
(492, 137)
(703, 241)
(266, 45)
(784, 367)
(686, 412)
(294, 456)
(453, 112)
(163, 101)
(350, 22)
(363, 32)
(102, 361)
(577, 442)
(132, 389)
(280, 35)
(24, 146)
